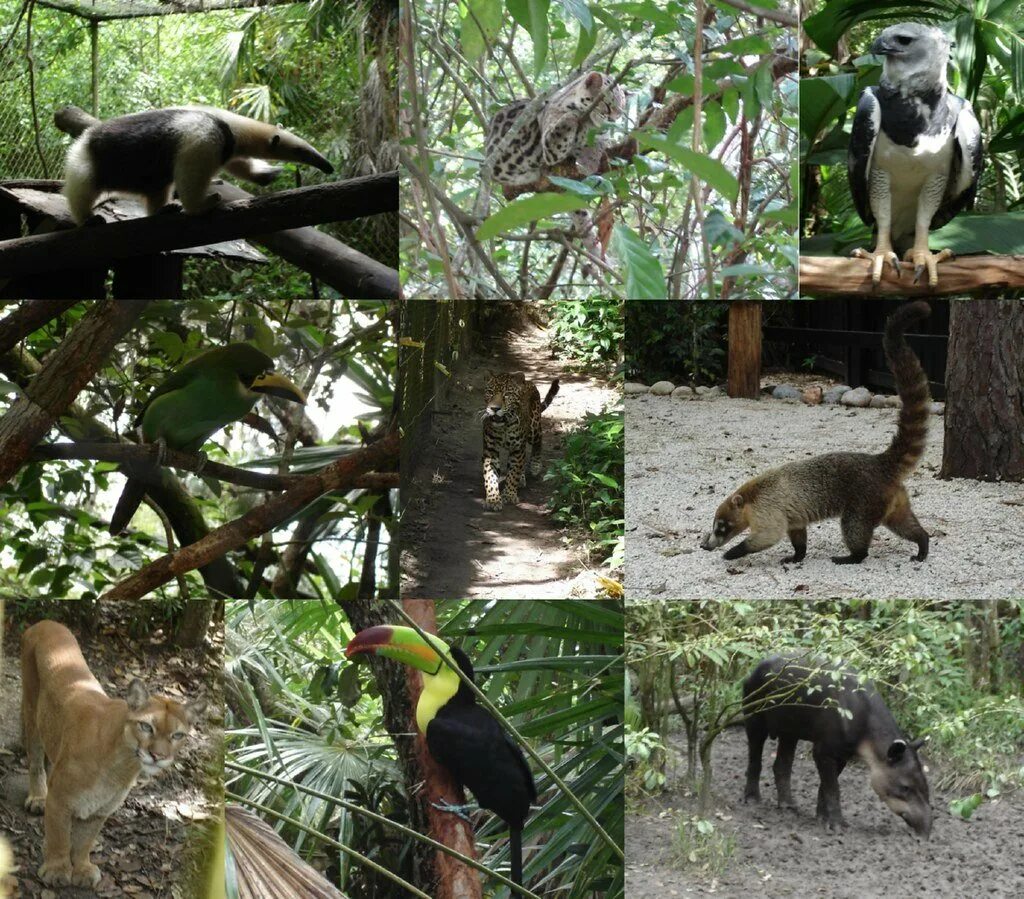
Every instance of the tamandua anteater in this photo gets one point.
(148, 153)
(861, 489)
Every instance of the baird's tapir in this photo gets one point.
(793, 698)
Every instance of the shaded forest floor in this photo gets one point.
(451, 547)
(149, 847)
(683, 457)
(785, 853)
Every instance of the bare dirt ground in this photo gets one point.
(146, 848)
(683, 457)
(782, 853)
(453, 548)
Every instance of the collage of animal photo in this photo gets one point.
(511, 450)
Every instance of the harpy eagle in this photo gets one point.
(915, 151)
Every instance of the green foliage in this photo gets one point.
(675, 341)
(664, 194)
(588, 483)
(589, 332)
(701, 846)
(554, 669)
(989, 71)
(645, 754)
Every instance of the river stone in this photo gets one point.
(634, 388)
(662, 388)
(879, 401)
(683, 393)
(859, 396)
(786, 392)
(835, 394)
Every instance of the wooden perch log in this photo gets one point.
(989, 276)
(84, 247)
(348, 271)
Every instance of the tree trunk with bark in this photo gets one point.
(984, 422)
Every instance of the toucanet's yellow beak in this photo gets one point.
(278, 385)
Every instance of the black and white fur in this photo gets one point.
(149, 153)
(915, 150)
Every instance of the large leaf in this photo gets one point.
(645, 279)
(481, 21)
(710, 171)
(533, 16)
(828, 26)
(824, 101)
(528, 209)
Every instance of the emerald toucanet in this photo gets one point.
(208, 392)
(463, 737)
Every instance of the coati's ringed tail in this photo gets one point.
(863, 490)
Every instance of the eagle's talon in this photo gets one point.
(926, 261)
(878, 259)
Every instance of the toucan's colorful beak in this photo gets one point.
(402, 644)
(278, 385)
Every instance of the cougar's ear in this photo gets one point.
(137, 695)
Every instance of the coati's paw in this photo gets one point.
(790, 560)
(849, 560)
(169, 209)
(87, 875)
(94, 220)
(56, 873)
(35, 805)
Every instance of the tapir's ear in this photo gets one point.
(918, 743)
(896, 750)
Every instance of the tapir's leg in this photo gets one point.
(783, 769)
(757, 733)
(829, 810)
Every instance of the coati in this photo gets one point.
(860, 489)
(148, 153)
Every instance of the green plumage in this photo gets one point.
(208, 392)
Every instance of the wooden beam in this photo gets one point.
(109, 10)
(987, 276)
(744, 349)
(86, 246)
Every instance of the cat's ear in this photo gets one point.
(137, 696)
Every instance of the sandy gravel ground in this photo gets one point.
(684, 456)
(780, 852)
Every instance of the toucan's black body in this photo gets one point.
(466, 740)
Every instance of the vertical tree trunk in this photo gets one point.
(744, 349)
(454, 879)
(984, 424)
(195, 621)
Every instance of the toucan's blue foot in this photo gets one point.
(462, 811)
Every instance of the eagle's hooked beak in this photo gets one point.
(881, 47)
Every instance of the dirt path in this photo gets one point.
(784, 853)
(146, 847)
(451, 547)
(683, 457)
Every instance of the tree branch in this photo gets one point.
(340, 475)
(27, 317)
(838, 276)
(67, 370)
(779, 16)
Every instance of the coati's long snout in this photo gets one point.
(860, 489)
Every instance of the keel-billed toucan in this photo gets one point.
(463, 737)
(208, 392)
